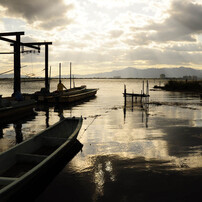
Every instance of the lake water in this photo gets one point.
(128, 154)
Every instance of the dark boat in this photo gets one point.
(71, 98)
(12, 110)
(32, 159)
(41, 95)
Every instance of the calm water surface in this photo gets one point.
(121, 145)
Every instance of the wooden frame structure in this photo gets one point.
(17, 59)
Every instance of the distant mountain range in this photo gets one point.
(131, 72)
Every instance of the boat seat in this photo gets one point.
(24, 157)
(7, 180)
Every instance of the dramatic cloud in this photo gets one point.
(154, 56)
(182, 23)
(115, 33)
(103, 35)
(46, 14)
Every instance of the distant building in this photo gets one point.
(190, 78)
(162, 76)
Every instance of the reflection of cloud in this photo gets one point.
(99, 179)
(136, 178)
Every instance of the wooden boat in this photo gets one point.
(56, 94)
(11, 110)
(74, 90)
(30, 160)
(75, 97)
(41, 95)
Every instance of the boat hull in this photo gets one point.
(88, 93)
(16, 111)
(44, 96)
(40, 159)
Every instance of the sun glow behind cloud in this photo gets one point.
(106, 35)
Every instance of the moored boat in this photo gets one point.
(32, 159)
(75, 97)
(12, 110)
(41, 95)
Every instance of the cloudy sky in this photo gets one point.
(105, 35)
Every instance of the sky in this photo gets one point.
(102, 35)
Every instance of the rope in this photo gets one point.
(89, 125)
(11, 70)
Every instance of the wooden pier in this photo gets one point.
(143, 97)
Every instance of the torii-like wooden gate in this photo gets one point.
(17, 61)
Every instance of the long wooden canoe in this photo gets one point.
(87, 93)
(33, 158)
(15, 110)
(41, 95)
(55, 94)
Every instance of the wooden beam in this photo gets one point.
(2, 53)
(7, 40)
(46, 68)
(22, 44)
(39, 43)
(17, 65)
(12, 33)
(47, 86)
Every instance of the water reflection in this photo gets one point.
(116, 178)
(47, 118)
(144, 111)
(44, 108)
(18, 132)
(60, 109)
(129, 154)
(11, 134)
(1, 132)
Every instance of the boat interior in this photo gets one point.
(23, 157)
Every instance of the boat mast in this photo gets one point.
(59, 71)
(49, 77)
(70, 75)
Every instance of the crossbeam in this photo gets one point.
(46, 44)
(12, 33)
(39, 43)
(17, 64)
(13, 42)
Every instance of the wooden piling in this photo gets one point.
(125, 94)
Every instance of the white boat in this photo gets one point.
(32, 159)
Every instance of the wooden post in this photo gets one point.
(73, 82)
(147, 91)
(124, 94)
(70, 75)
(141, 97)
(59, 71)
(143, 87)
(46, 68)
(49, 77)
(17, 66)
